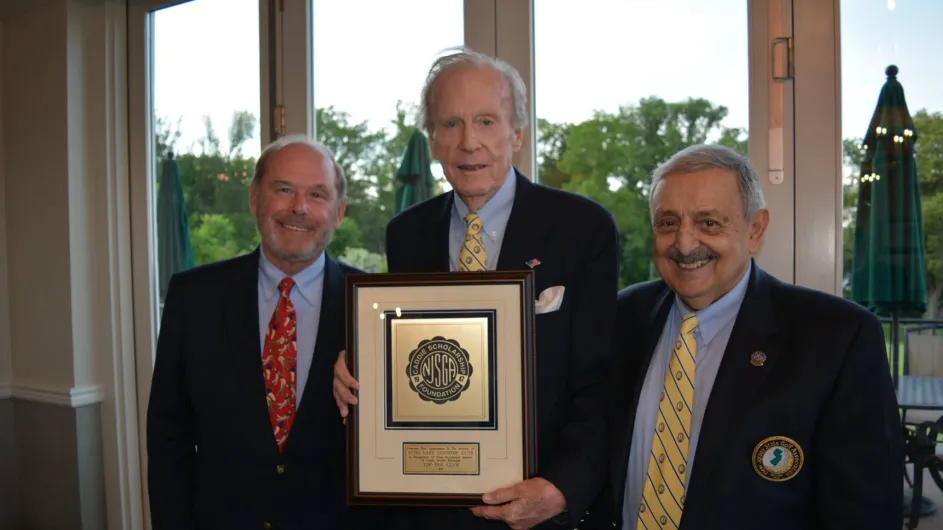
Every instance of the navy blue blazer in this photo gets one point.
(825, 384)
(576, 242)
(212, 458)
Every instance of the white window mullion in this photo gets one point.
(514, 42)
(480, 25)
(772, 128)
(818, 145)
(289, 110)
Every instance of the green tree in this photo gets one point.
(933, 230)
(929, 155)
(551, 143)
(214, 239)
(611, 156)
(216, 187)
(735, 138)
(370, 160)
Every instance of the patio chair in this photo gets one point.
(920, 450)
(923, 356)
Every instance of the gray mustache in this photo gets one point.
(687, 259)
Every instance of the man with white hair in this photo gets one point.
(241, 428)
(474, 110)
(737, 400)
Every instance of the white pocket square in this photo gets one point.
(550, 299)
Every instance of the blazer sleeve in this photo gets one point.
(580, 468)
(859, 446)
(171, 439)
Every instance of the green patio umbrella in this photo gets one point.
(174, 252)
(889, 269)
(414, 178)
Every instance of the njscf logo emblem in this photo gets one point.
(439, 370)
(777, 458)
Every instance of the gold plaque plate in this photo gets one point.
(440, 459)
(440, 370)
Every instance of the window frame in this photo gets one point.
(809, 196)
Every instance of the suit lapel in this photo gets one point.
(654, 322)
(524, 231)
(437, 239)
(737, 380)
(241, 315)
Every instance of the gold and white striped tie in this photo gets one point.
(664, 491)
(472, 257)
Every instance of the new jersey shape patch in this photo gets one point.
(777, 458)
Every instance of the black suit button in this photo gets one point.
(280, 469)
(266, 526)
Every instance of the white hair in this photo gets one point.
(463, 57)
(261, 165)
(705, 156)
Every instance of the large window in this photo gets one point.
(206, 123)
(368, 75)
(621, 86)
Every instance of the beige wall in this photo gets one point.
(37, 195)
(6, 356)
(58, 331)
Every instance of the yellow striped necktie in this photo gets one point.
(472, 257)
(664, 491)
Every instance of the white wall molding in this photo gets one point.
(72, 397)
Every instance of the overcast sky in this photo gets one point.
(370, 53)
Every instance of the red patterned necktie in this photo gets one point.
(279, 359)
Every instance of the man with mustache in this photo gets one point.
(475, 112)
(738, 401)
(242, 431)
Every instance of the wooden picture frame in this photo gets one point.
(446, 368)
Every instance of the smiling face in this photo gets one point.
(473, 133)
(703, 241)
(296, 208)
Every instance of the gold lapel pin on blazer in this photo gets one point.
(758, 358)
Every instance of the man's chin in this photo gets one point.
(295, 255)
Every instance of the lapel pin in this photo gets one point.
(758, 358)
(533, 263)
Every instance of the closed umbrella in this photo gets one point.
(415, 182)
(174, 252)
(889, 272)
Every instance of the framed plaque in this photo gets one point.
(445, 364)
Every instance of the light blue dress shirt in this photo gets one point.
(306, 297)
(494, 219)
(714, 324)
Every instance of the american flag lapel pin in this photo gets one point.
(533, 262)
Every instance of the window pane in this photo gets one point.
(366, 96)
(880, 235)
(206, 117)
(622, 92)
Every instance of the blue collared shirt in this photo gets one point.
(306, 297)
(714, 324)
(494, 219)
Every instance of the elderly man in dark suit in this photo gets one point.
(242, 430)
(739, 401)
(475, 112)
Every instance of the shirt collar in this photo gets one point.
(306, 281)
(492, 209)
(712, 318)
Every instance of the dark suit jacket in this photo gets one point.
(212, 458)
(825, 384)
(576, 242)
